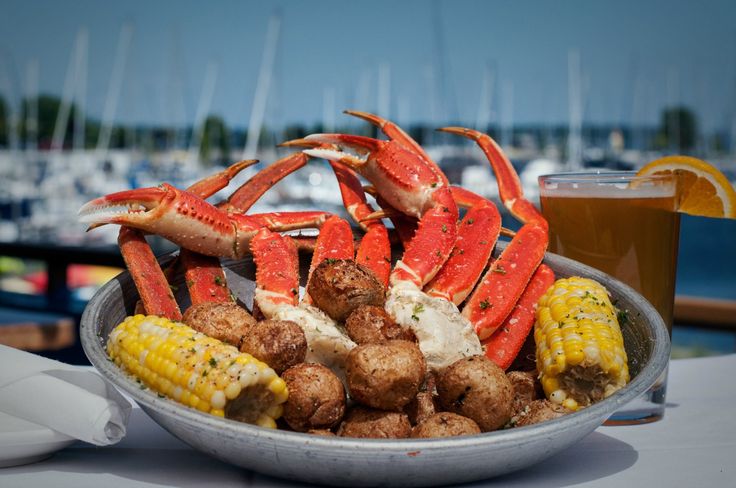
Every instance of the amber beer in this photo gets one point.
(626, 226)
(629, 234)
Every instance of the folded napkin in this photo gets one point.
(68, 399)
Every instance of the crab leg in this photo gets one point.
(189, 221)
(204, 276)
(276, 296)
(210, 185)
(504, 345)
(205, 279)
(408, 183)
(150, 280)
(335, 241)
(277, 271)
(508, 276)
(397, 135)
(476, 237)
(477, 234)
(374, 251)
(404, 225)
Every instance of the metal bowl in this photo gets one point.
(362, 462)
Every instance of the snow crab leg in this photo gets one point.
(190, 221)
(374, 251)
(477, 233)
(277, 285)
(408, 182)
(205, 279)
(506, 280)
(147, 275)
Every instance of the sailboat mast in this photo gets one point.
(81, 92)
(7, 86)
(328, 109)
(507, 112)
(200, 119)
(113, 91)
(575, 105)
(67, 94)
(485, 106)
(384, 90)
(32, 75)
(258, 110)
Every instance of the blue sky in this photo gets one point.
(636, 56)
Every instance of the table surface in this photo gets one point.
(694, 445)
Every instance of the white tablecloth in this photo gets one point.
(694, 445)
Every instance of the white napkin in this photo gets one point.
(68, 399)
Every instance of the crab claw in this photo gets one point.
(177, 215)
(408, 182)
(404, 179)
(124, 207)
(352, 151)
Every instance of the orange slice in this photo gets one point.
(701, 188)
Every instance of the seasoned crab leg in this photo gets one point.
(504, 345)
(189, 221)
(477, 233)
(149, 279)
(152, 286)
(508, 276)
(277, 297)
(335, 241)
(408, 183)
(374, 251)
(205, 279)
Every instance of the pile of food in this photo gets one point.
(435, 345)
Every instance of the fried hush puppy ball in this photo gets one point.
(369, 324)
(339, 286)
(377, 424)
(423, 405)
(316, 397)
(227, 322)
(477, 388)
(526, 389)
(279, 343)
(445, 424)
(385, 376)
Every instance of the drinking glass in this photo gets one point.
(627, 226)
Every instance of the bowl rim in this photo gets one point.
(647, 376)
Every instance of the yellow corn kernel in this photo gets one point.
(198, 371)
(577, 335)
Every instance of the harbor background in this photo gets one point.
(98, 97)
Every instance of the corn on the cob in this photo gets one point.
(196, 370)
(580, 349)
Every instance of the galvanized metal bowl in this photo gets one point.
(362, 462)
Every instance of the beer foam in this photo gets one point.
(605, 190)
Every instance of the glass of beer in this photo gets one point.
(626, 226)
